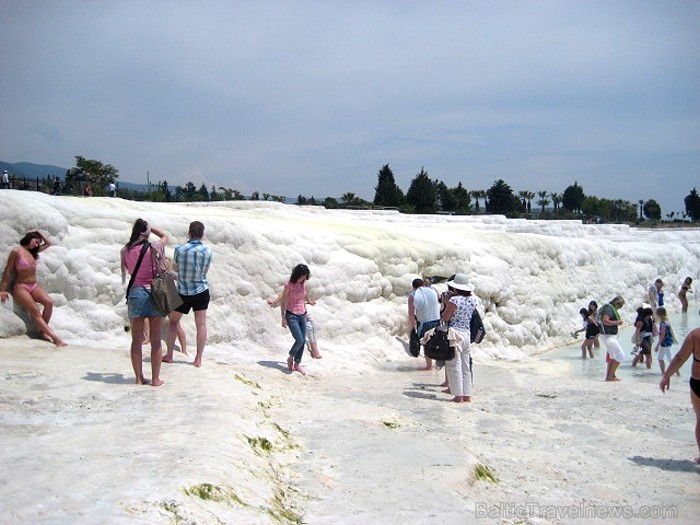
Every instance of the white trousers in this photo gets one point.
(459, 373)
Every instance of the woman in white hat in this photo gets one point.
(458, 314)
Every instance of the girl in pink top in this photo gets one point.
(293, 309)
(139, 300)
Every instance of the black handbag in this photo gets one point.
(476, 328)
(438, 346)
(414, 344)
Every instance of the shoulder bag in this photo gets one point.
(163, 290)
(438, 346)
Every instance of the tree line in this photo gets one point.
(424, 195)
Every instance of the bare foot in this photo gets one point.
(298, 368)
(184, 352)
(60, 343)
(457, 399)
(315, 354)
(427, 368)
(466, 399)
(142, 381)
(613, 379)
(157, 382)
(167, 359)
(198, 362)
(290, 363)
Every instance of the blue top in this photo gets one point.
(193, 260)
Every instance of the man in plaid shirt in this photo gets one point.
(191, 263)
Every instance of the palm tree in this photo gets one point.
(529, 195)
(543, 201)
(556, 200)
(523, 197)
(348, 198)
(478, 194)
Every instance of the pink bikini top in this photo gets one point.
(22, 264)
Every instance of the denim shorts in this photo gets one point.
(141, 304)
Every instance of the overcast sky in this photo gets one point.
(313, 97)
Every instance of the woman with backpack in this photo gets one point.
(458, 314)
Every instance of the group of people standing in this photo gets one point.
(141, 259)
(427, 309)
(190, 265)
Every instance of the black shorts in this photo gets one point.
(195, 302)
(645, 347)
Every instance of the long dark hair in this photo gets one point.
(140, 226)
(24, 242)
(298, 271)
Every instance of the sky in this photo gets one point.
(313, 97)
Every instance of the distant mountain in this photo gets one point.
(28, 170)
(32, 171)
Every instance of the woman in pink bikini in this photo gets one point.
(23, 260)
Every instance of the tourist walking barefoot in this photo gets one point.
(666, 339)
(191, 262)
(423, 309)
(293, 309)
(610, 322)
(690, 346)
(139, 264)
(23, 260)
(458, 314)
(683, 294)
(311, 329)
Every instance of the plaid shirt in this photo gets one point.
(192, 260)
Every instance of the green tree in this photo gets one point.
(255, 196)
(330, 203)
(189, 191)
(652, 210)
(572, 199)
(556, 200)
(422, 194)
(445, 197)
(501, 199)
(543, 201)
(387, 192)
(529, 195)
(202, 193)
(93, 172)
(478, 194)
(464, 203)
(692, 205)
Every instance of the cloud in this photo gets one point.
(314, 97)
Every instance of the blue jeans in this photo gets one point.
(297, 325)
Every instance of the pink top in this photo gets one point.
(22, 263)
(148, 268)
(296, 298)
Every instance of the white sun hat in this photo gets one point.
(461, 282)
